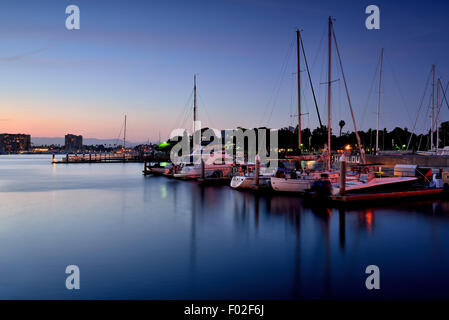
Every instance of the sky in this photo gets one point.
(138, 58)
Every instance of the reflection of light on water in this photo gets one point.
(369, 220)
(163, 191)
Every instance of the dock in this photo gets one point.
(390, 195)
(106, 158)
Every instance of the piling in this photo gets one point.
(202, 168)
(343, 177)
(257, 170)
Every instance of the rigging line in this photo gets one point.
(278, 80)
(310, 80)
(185, 110)
(280, 83)
(444, 95)
(319, 47)
(188, 114)
(291, 99)
(419, 109)
(399, 88)
(370, 93)
(362, 155)
(119, 135)
(205, 111)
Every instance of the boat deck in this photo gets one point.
(389, 195)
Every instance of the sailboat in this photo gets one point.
(362, 178)
(301, 181)
(251, 176)
(218, 165)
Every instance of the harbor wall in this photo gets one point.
(430, 161)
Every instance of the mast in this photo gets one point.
(310, 80)
(299, 90)
(378, 100)
(438, 113)
(433, 107)
(194, 103)
(329, 98)
(124, 136)
(359, 142)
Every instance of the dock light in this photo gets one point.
(348, 147)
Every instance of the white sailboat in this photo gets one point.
(251, 176)
(302, 181)
(216, 165)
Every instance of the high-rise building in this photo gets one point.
(14, 142)
(73, 143)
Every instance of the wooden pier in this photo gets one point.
(106, 158)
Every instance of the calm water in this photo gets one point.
(157, 238)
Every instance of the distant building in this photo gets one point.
(14, 142)
(73, 143)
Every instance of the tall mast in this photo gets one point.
(329, 98)
(433, 107)
(124, 136)
(310, 79)
(359, 142)
(438, 113)
(194, 103)
(299, 89)
(378, 100)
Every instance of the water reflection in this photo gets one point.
(160, 238)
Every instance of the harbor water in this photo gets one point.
(136, 237)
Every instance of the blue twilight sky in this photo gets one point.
(138, 58)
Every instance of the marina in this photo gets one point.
(225, 154)
(164, 238)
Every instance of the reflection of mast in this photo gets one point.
(342, 228)
(193, 235)
(327, 269)
(297, 270)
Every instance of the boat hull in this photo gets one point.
(242, 182)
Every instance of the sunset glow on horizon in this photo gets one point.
(139, 59)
